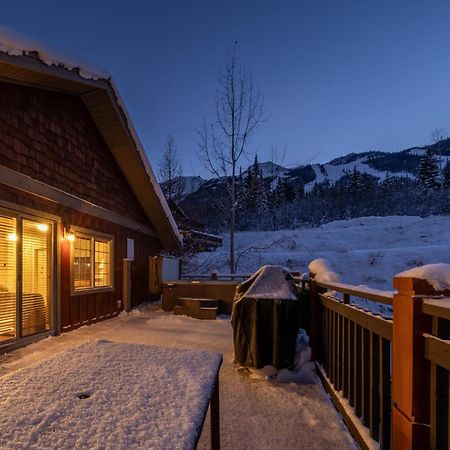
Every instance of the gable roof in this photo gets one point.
(28, 62)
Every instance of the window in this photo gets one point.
(92, 267)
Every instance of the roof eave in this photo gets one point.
(113, 121)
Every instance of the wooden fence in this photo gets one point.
(381, 372)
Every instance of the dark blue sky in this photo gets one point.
(338, 76)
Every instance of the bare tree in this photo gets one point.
(223, 141)
(170, 172)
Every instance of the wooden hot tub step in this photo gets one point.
(180, 311)
(198, 308)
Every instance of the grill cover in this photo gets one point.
(265, 319)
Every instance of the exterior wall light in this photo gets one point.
(69, 235)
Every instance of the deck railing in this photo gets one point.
(353, 350)
(388, 376)
(437, 351)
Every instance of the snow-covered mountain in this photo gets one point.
(270, 169)
(192, 184)
(375, 163)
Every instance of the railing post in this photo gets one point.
(410, 368)
(315, 332)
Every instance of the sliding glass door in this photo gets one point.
(36, 276)
(8, 277)
(26, 276)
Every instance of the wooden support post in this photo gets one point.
(410, 369)
(215, 417)
(127, 284)
(316, 333)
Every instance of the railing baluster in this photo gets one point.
(341, 353)
(327, 338)
(385, 394)
(324, 337)
(345, 367)
(333, 347)
(358, 370)
(338, 353)
(330, 343)
(351, 361)
(374, 386)
(448, 410)
(365, 335)
(322, 331)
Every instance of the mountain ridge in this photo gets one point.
(376, 163)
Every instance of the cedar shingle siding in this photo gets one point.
(52, 138)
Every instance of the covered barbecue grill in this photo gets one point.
(265, 319)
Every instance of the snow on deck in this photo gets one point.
(255, 414)
(138, 396)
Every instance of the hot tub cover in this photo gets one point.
(265, 319)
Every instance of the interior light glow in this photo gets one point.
(12, 237)
(42, 227)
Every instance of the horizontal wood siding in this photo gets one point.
(88, 308)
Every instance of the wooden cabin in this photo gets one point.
(77, 197)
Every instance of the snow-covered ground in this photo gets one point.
(364, 251)
(255, 414)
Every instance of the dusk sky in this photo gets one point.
(337, 76)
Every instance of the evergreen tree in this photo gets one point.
(428, 175)
(446, 174)
(255, 189)
(355, 182)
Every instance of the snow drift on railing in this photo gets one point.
(438, 275)
(322, 271)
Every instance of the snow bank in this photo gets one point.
(17, 44)
(303, 371)
(438, 275)
(322, 271)
(363, 251)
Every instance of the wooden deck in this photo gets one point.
(255, 414)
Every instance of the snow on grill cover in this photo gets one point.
(108, 395)
(265, 319)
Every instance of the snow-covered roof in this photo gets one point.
(102, 98)
(17, 44)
